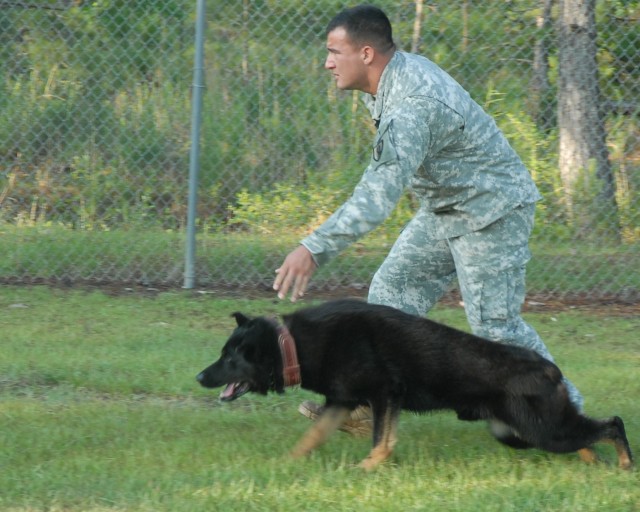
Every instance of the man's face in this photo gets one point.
(345, 61)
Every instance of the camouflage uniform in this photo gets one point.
(476, 204)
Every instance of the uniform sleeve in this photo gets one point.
(403, 141)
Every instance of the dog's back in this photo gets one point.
(366, 346)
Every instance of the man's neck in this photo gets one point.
(378, 69)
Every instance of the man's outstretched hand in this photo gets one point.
(295, 273)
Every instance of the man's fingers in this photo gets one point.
(284, 286)
(300, 286)
(278, 279)
(286, 280)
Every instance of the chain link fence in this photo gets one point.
(95, 106)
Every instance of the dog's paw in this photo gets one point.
(297, 454)
(367, 464)
(626, 465)
(300, 451)
(370, 463)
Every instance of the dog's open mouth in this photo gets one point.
(234, 390)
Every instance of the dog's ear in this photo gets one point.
(240, 318)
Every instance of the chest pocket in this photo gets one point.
(384, 150)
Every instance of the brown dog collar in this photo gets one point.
(290, 366)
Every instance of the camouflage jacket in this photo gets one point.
(432, 137)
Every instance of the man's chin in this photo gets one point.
(343, 87)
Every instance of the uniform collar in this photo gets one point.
(376, 103)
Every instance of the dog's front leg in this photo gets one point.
(385, 430)
(328, 422)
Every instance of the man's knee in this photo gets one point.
(504, 331)
(412, 296)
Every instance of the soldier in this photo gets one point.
(476, 197)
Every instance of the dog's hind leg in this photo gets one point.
(582, 432)
(385, 435)
(610, 431)
(618, 438)
(328, 422)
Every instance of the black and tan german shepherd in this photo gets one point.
(355, 353)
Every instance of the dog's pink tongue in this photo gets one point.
(229, 390)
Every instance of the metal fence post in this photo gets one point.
(194, 157)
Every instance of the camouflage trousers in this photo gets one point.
(490, 267)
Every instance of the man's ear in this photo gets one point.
(240, 318)
(368, 53)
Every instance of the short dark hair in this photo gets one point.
(365, 25)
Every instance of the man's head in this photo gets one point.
(360, 44)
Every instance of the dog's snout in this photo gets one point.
(200, 377)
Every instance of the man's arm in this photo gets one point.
(399, 148)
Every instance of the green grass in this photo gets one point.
(52, 254)
(99, 411)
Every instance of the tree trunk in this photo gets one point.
(542, 102)
(465, 26)
(417, 26)
(584, 158)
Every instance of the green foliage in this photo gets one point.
(627, 180)
(299, 210)
(106, 164)
(105, 132)
(284, 208)
(95, 105)
(538, 152)
(619, 44)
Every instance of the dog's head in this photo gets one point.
(250, 360)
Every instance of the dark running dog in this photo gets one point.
(356, 353)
